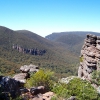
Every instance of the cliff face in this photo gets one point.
(29, 51)
(90, 57)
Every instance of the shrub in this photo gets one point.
(44, 78)
(96, 77)
(76, 87)
(82, 89)
(60, 90)
(81, 59)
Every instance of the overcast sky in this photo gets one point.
(46, 16)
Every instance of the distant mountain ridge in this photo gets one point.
(56, 35)
(72, 40)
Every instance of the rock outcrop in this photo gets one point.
(26, 70)
(29, 68)
(90, 57)
(33, 51)
(13, 87)
(10, 87)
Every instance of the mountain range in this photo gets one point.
(61, 55)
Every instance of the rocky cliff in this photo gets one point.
(90, 57)
(33, 51)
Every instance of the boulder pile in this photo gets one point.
(13, 87)
(26, 70)
(90, 57)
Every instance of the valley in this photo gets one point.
(61, 56)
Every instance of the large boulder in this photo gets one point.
(37, 90)
(29, 68)
(9, 86)
(48, 96)
(21, 77)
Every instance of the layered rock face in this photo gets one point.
(90, 57)
(33, 51)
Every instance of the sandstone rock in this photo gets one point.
(90, 60)
(37, 90)
(48, 96)
(21, 77)
(80, 72)
(98, 41)
(89, 77)
(89, 70)
(89, 44)
(34, 51)
(98, 47)
(90, 64)
(9, 86)
(24, 69)
(29, 68)
(91, 36)
(91, 54)
(85, 73)
(37, 98)
(82, 52)
(98, 55)
(98, 37)
(92, 41)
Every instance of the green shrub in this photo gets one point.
(82, 89)
(96, 77)
(81, 59)
(44, 78)
(60, 90)
(76, 87)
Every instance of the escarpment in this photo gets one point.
(90, 57)
(33, 51)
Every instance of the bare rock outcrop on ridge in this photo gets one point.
(90, 57)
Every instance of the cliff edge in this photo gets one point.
(89, 57)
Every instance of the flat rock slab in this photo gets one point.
(21, 77)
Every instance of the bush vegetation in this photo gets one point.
(81, 89)
(44, 78)
(96, 77)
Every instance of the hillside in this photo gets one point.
(56, 58)
(56, 35)
(72, 41)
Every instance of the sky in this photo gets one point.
(44, 17)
